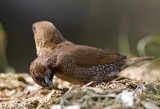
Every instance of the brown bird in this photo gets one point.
(77, 64)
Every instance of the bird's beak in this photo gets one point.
(49, 82)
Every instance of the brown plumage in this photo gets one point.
(77, 64)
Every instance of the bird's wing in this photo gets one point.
(86, 56)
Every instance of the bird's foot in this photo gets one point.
(64, 90)
(55, 88)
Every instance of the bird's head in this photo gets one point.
(41, 74)
(46, 35)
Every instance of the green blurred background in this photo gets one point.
(131, 27)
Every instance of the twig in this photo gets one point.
(7, 99)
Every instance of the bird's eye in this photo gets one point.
(33, 28)
(37, 77)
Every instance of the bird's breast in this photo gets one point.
(82, 75)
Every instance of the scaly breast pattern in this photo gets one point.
(82, 75)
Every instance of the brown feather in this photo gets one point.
(86, 56)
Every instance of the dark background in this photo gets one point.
(109, 24)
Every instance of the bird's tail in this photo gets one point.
(134, 60)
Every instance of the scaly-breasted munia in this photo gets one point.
(77, 64)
